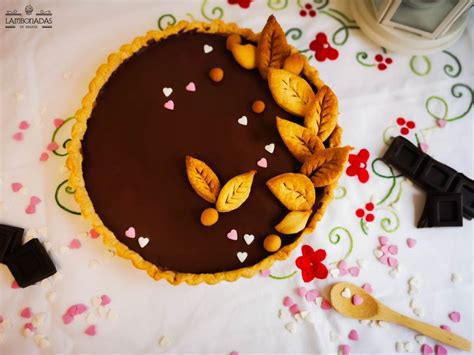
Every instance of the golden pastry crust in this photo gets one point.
(74, 160)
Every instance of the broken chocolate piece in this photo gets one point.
(10, 238)
(435, 176)
(465, 186)
(405, 156)
(30, 263)
(442, 210)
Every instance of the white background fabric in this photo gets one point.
(45, 74)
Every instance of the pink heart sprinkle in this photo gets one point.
(455, 316)
(440, 350)
(357, 300)
(52, 146)
(411, 242)
(90, 330)
(44, 156)
(81, 308)
(74, 244)
(294, 309)
(354, 271)
(30, 209)
(367, 288)
(441, 123)
(311, 295)
(353, 335)
(392, 261)
(424, 147)
(393, 249)
(262, 163)
(426, 349)
(18, 136)
(265, 273)
(105, 300)
(301, 291)
(26, 312)
(130, 232)
(169, 105)
(288, 301)
(384, 249)
(93, 233)
(34, 200)
(342, 265)
(445, 327)
(14, 284)
(325, 305)
(29, 326)
(24, 125)
(191, 86)
(67, 318)
(72, 310)
(232, 235)
(384, 259)
(344, 349)
(16, 186)
(58, 122)
(383, 240)
(342, 272)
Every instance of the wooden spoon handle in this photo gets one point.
(428, 330)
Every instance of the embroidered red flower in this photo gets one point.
(322, 49)
(383, 63)
(405, 125)
(358, 165)
(369, 217)
(308, 10)
(311, 264)
(244, 4)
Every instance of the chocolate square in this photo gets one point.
(465, 186)
(10, 238)
(30, 263)
(442, 210)
(405, 156)
(436, 176)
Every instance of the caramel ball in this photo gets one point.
(216, 74)
(258, 106)
(272, 243)
(209, 217)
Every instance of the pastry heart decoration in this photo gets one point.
(206, 184)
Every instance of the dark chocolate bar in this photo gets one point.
(465, 186)
(442, 210)
(30, 263)
(10, 238)
(436, 176)
(405, 156)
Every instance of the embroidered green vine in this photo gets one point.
(68, 189)
(340, 192)
(217, 12)
(386, 222)
(392, 176)
(294, 33)
(363, 226)
(449, 70)
(455, 92)
(277, 4)
(344, 29)
(283, 277)
(64, 144)
(415, 67)
(361, 56)
(191, 16)
(334, 238)
(165, 21)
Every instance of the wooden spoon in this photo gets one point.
(372, 309)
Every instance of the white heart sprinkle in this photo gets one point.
(420, 339)
(91, 318)
(408, 346)
(346, 293)
(456, 278)
(393, 273)
(207, 48)
(164, 341)
(399, 347)
(333, 336)
(43, 343)
(291, 327)
(318, 301)
(282, 314)
(243, 120)
(334, 273)
(378, 253)
(38, 319)
(242, 255)
(298, 317)
(96, 301)
(143, 241)
(249, 238)
(27, 333)
(362, 263)
(167, 91)
(304, 314)
(270, 148)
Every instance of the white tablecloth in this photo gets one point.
(45, 73)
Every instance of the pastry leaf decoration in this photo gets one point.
(293, 222)
(272, 47)
(291, 92)
(322, 113)
(235, 192)
(295, 191)
(202, 179)
(325, 166)
(302, 142)
(294, 63)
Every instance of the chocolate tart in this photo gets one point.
(127, 155)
